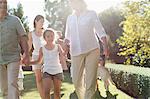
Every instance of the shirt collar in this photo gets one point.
(6, 17)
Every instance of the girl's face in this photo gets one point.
(39, 23)
(49, 37)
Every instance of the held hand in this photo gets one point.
(66, 41)
(26, 60)
(59, 41)
(106, 52)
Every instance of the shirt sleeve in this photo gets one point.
(67, 30)
(99, 30)
(20, 28)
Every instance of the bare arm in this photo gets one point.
(66, 46)
(62, 58)
(105, 46)
(60, 41)
(24, 46)
(61, 51)
(30, 41)
(40, 58)
(99, 30)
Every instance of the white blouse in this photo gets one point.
(38, 42)
(81, 30)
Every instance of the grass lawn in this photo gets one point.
(30, 91)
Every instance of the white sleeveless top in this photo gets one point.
(38, 42)
(51, 60)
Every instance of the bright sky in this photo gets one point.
(35, 7)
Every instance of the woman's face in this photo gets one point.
(39, 23)
(77, 4)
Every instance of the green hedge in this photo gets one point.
(135, 81)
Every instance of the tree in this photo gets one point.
(111, 19)
(135, 41)
(19, 13)
(57, 12)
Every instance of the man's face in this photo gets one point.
(3, 6)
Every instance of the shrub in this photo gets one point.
(135, 81)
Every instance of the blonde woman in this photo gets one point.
(81, 29)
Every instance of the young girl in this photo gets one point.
(36, 40)
(52, 70)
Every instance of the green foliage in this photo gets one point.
(67, 88)
(111, 19)
(135, 81)
(57, 12)
(135, 41)
(19, 13)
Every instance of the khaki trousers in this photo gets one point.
(8, 80)
(84, 74)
